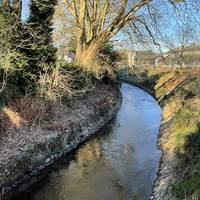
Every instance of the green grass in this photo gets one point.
(184, 137)
(188, 187)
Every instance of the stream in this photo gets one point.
(120, 163)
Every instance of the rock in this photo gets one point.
(47, 160)
(52, 157)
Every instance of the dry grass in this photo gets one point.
(55, 119)
(29, 108)
(168, 82)
(164, 80)
(183, 105)
(55, 84)
(20, 113)
(182, 111)
(13, 117)
(63, 82)
(170, 109)
(182, 137)
(180, 88)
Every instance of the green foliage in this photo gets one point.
(11, 59)
(42, 52)
(82, 80)
(111, 53)
(184, 124)
(28, 55)
(192, 145)
(150, 78)
(183, 137)
(26, 49)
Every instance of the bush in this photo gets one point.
(26, 49)
(11, 59)
(63, 81)
(112, 54)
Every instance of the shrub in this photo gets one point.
(63, 81)
(11, 59)
(26, 49)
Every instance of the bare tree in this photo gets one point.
(184, 33)
(26, 48)
(96, 22)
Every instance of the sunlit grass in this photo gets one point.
(188, 187)
(183, 135)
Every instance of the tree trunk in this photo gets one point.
(88, 51)
(87, 55)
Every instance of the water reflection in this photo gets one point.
(120, 164)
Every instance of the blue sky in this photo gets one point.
(168, 28)
(25, 9)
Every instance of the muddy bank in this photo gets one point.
(26, 151)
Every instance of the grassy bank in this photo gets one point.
(179, 93)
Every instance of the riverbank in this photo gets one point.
(119, 162)
(178, 94)
(32, 139)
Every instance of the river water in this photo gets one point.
(119, 164)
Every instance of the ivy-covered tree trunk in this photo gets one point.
(30, 43)
(40, 20)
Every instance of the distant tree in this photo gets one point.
(185, 33)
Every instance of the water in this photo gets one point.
(119, 164)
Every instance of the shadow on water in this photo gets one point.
(119, 164)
